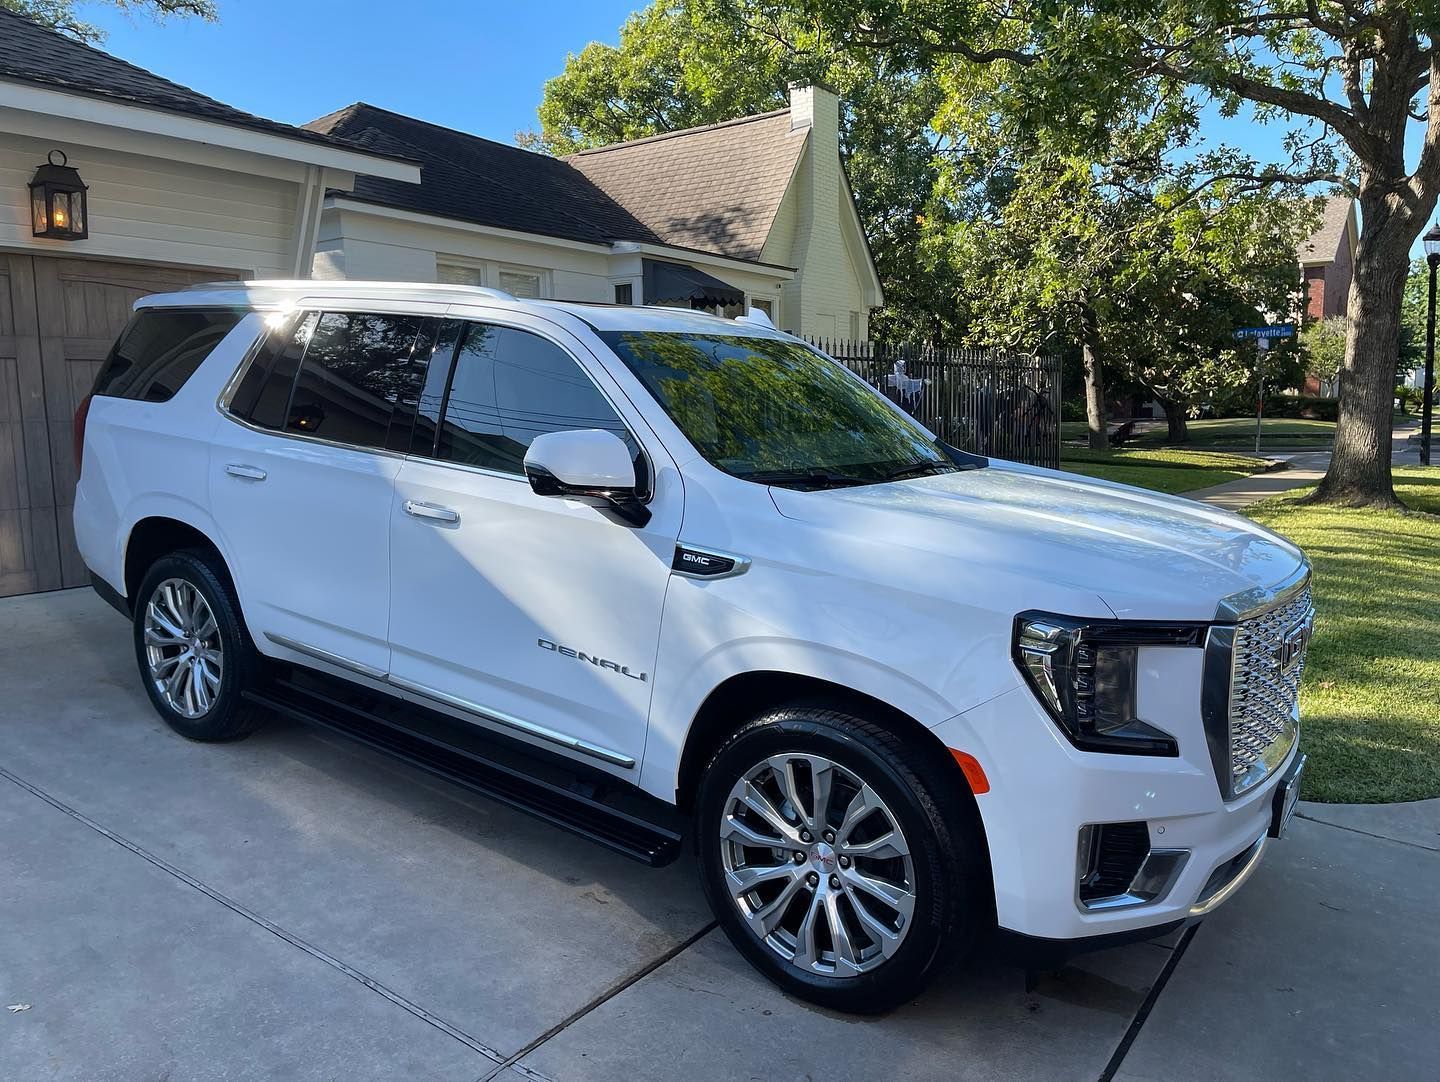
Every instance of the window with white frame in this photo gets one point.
(520, 283)
(765, 305)
(459, 274)
(854, 326)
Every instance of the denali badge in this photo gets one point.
(598, 662)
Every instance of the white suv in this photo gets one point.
(634, 568)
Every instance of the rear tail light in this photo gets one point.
(82, 413)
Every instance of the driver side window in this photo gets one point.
(508, 386)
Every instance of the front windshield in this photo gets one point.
(775, 411)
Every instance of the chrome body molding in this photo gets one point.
(482, 713)
(1151, 884)
(1258, 599)
(496, 717)
(1252, 861)
(326, 656)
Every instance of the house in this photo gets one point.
(753, 211)
(1327, 263)
(1327, 260)
(178, 188)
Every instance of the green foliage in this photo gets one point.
(61, 14)
(1302, 406)
(1414, 309)
(1323, 342)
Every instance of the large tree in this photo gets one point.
(1350, 75)
(61, 14)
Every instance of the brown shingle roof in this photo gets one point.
(715, 189)
(1324, 244)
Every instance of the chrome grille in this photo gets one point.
(1268, 662)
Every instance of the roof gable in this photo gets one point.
(715, 188)
(1323, 245)
(479, 180)
(33, 54)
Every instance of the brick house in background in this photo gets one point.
(1327, 261)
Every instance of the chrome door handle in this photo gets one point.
(250, 473)
(431, 512)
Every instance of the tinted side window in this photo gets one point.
(508, 387)
(159, 349)
(264, 389)
(358, 379)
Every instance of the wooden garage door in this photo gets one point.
(58, 319)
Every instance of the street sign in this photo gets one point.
(1270, 330)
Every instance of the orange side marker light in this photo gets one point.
(974, 772)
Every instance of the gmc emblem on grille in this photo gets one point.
(1291, 647)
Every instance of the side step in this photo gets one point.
(510, 772)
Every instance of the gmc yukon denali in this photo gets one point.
(652, 574)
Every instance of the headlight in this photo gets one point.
(1084, 673)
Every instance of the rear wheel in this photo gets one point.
(838, 858)
(194, 654)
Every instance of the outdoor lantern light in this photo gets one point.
(57, 201)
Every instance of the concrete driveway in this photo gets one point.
(294, 907)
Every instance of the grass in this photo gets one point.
(1370, 703)
(1229, 432)
(1169, 469)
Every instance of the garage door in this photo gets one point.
(58, 319)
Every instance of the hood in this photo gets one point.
(1146, 555)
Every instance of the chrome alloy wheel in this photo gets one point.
(183, 648)
(817, 864)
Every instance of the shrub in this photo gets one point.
(1308, 407)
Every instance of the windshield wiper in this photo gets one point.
(919, 469)
(806, 476)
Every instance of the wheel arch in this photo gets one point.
(156, 535)
(740, 697)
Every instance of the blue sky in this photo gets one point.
(479, 66)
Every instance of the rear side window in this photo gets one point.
(160, 348)
(359, 379)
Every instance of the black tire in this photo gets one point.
(230, 716)
(951, 875)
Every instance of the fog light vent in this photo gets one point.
(1116, 866)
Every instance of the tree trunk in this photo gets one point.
(1094, 382)
(1359, 472)
(1177, 422)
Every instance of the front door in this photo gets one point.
(536, 614)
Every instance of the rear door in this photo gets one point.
(534, 613)
(302, 480)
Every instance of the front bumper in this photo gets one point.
(1043, 790)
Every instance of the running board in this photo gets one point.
(508, 772)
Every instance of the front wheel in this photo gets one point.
(194, 654)
(839, 859)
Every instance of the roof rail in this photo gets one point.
(345, 285)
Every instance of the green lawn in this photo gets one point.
(1168, 469)
(1370, 704)
(1235, 433)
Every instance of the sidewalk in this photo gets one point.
(1305, 469)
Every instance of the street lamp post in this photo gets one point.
(1427, 390)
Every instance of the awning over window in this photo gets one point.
(678, 284)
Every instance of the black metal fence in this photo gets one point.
(988, 401)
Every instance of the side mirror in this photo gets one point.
(586, 464)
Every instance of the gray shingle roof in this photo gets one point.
(32, 54)
(1323, 244)
(478, 180)
(712, 189)
(716, 188)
